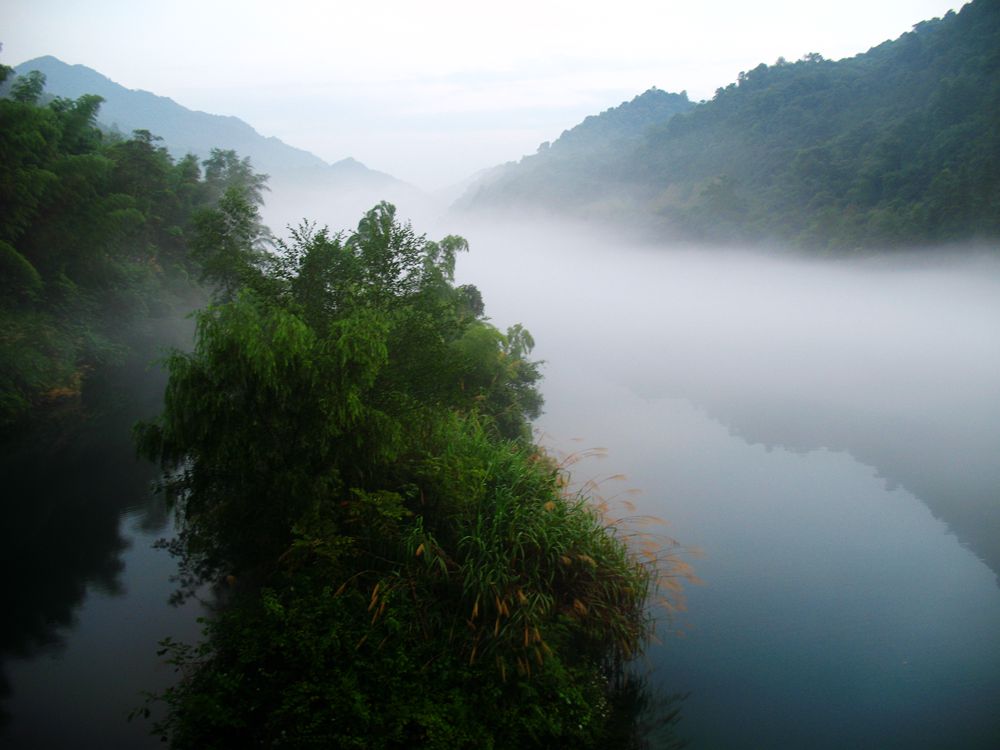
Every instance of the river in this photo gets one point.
(821, 436)
(86, 593)
(824, 434)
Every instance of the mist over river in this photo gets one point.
(825, 432)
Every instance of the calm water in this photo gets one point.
(85, 592)
(835, 611)
(825, 433)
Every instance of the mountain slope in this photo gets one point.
(581, 166)
(301, 183)
(898, 145)
(183, 130)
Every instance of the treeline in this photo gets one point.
(348, 450)
(896, 146)
(95, 239)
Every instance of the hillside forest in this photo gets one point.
(897, 147)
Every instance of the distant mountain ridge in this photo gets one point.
(627, 122)
(302, 184)
(897, 146)
(183, 130)
(581, 165)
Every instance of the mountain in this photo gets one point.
(897, 146)
(302, 184)
(183, 130)
(581, 167)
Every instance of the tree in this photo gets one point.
(94, 239)
(224, 169)
(227, 243)
(348, 444)
(28, 88)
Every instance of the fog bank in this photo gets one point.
(893, 360)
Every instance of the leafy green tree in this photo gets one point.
(327, 356)
(347, 446)
(27, 89)
(94, 240)
(227, 243)
(224, 169)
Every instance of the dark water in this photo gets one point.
(827, 434)
(85, 592)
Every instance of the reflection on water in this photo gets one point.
(85, 593)
(644, 716)
(826, 433)
(61, 533)
(834, 612)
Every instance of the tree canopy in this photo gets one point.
(95, 239)
(348, 446)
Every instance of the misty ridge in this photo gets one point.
(893, 148)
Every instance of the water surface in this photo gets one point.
(86, 592)
(826, 433)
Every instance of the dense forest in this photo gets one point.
(95, 243)
(896, 146)
(346, 448)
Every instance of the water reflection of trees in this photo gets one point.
(66, 484)
(952, 471)
(645, 716)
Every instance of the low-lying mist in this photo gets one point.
(825, 431)
(893, 359)
(339, 202)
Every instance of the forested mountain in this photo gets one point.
(898, 145)
(582, 167)
(301, 183)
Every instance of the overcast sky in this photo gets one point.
(432, 91)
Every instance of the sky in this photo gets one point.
(433, 91)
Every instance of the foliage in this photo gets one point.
(321, 368)
(896, 146)
(95, 236)
(361, 639)
(348, 447)
(584, 166)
